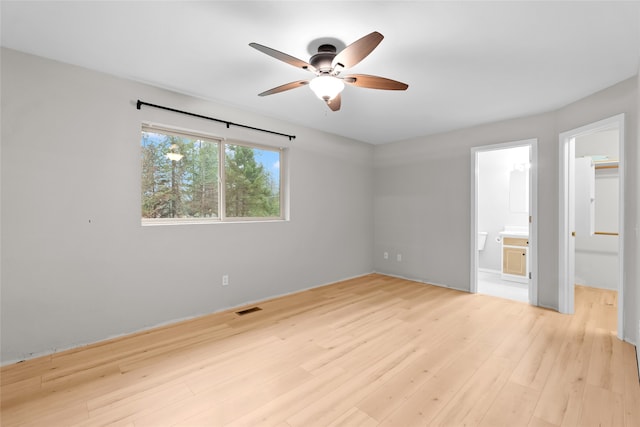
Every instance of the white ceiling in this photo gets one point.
(466, 63)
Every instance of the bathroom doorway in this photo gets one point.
(503, 258)
(592, 216)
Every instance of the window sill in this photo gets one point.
(153, 222)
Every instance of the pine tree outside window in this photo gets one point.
(190, 178)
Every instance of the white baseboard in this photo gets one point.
(424, 281)
(74, 346)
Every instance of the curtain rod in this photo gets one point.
(139, 104)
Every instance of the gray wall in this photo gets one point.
(422, 196)
(70, 155)
(77, 266)
(422, 201)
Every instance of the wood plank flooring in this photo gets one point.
(371, 351)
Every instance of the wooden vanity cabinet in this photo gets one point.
(514, 258)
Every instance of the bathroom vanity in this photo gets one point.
(515, 255)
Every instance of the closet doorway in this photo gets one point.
(592, 211)
(503, 220)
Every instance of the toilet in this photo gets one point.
(482, 239)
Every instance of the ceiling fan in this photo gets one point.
(327, 65)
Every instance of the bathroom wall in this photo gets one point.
(596, 257)
(494, 168)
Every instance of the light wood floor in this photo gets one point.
(370, 351)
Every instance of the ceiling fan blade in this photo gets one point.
(298, 63)
(357, 51)
(374, 82)
(335, 103)
(286, 86)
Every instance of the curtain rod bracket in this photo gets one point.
(140, 103)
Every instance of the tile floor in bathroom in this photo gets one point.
(491, 283)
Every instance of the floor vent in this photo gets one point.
(248, 310)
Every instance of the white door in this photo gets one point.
(571, 273)
(567, 226)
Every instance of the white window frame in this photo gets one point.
(222, 144)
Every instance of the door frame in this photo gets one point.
(533, 212)
(566, 267)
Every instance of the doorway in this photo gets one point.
(581, 220)
(503, 220)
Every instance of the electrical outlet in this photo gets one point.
(386, 255)
(399, 257)
(225, 280)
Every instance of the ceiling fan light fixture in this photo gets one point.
(173, 154)
(326, 87)
(176, 157)
(327, 66)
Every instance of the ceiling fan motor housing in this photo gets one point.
(327, 66)
(322, 60)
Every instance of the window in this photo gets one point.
(252, 182)
(190, 178)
